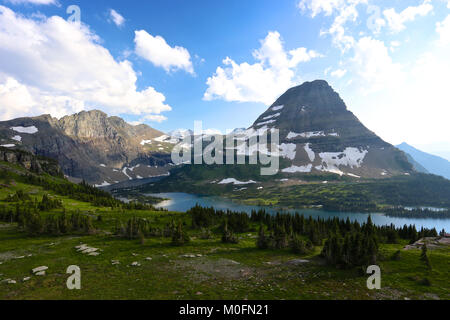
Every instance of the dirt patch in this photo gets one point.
(204, 268)
(432, 243)
(6, 256)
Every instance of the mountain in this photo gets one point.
(433, 164)
(320, 141)
(319, 134)
(181, 133)
(92, 146)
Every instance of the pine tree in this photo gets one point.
(262, 242)
(228, 236)
(424, 256)
(179, 237)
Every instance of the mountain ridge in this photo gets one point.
(89, 145)
(432, 163)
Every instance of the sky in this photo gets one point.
(169, 63)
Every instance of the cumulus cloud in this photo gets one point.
(62, 68)
(116, 17)
(156, 50)
(374, 66)
(154, 118)
(398, 99)
(344, 11)
(443, 29)
(262, 81)
(339, 73)
(396, 21)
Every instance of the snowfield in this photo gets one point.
(294, 169)
(17, 138)
(351, 157)
(288, 150)
(311, 134)
(144, 142)
(276, 115)
(28, 130)
(310, 152)
(277, 108)
(104, 184)
(265, 123)
(235, 182)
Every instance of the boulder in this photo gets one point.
(39, 269)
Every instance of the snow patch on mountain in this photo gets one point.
(104, 184)
(351, 157)
(265, 123)
(235, 182)
(276, 115)
(310, 152)
(288, 150)
(28, 130)
(311, 134)
(277, 108)
(295, 169)
(144, 142)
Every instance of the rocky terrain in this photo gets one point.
(29, 161)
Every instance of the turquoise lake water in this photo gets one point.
(184, 201)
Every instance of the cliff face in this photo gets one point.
(30, 162)
(89, 145)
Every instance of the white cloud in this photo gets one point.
(339, 73)
(37, 2)
(318, 6)
(116, 17)
(443, 29)
(396, 21)
(374, 66)
(345, 11)
(63, 68)
(263, 81)
(156, 50)
(153, 118)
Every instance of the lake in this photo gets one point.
(183, 201)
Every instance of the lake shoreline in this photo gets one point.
(182, 202)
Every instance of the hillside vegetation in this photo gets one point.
(132, 251)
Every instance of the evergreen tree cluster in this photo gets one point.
(34, 223)
(345, 243)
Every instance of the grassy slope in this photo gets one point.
(214, 275)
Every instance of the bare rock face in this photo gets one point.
(89, 145)
(30, 162)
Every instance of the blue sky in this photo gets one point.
(387, 59)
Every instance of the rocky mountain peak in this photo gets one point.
(319, 134)
(317, 95)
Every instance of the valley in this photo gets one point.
(147, 263)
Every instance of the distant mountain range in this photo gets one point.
(425, 162)
(318, 135)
